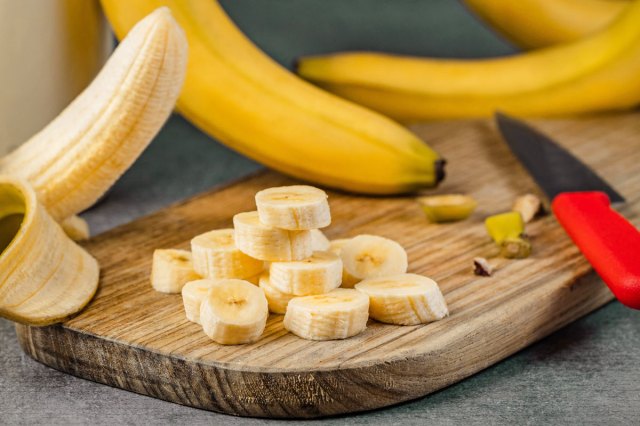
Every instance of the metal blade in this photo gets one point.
(554, 169)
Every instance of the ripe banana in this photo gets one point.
(234, 312)
(338, 314)
(406, 299)
(319, 241)
(335, 246)
(540, 23)
(317, 274)
(82, 152)
(237, 94)
(597, 73)
(215, 255)
(193, 293)
(76, 228)
(266, 243)
(276, 299)
(44, 276)
(371, 256)
(171, 270)
(295, 208)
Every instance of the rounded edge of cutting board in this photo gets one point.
(319, 392)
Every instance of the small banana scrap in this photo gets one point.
(171, 270)
(482, 267)
(529, 206)
(507, 230)
(44, 276)
(447, 208)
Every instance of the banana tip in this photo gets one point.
(439, 166)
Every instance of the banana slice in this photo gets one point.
(234, 312)
(295, 208)
(319, 241)
(171, 270)
(371, 256)
(76, 228)
(276, 299)
(193, 293)
(335, 246)
(44, 276)
(267, 243)
(338, 314)
(319, 273)
(215, 255)
(406, 299)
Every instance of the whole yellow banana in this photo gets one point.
(597, 73)
(237, 94)
(539, 23)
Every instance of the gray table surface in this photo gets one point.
(586, 373)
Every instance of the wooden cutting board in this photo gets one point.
(136, 339)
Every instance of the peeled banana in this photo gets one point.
(215, 255)
(276, 299)
(234, 312)
(540, 23)
(406, 299)
(371, 256)
(598, 73)
(317, 274)
(193, 293)
(44, 276)
(267, 243)
(82, 152)
(76, 228)
(338, 314)
(171, 270)
(294, 127)
(295, 208)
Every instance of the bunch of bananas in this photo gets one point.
(599, 72)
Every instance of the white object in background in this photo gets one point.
(49, 51)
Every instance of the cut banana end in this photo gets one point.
(83, 151)
(234, 312)
(44, 276)
(319, 241)
(319, 273)
(296, 208)
(215, 255)
(267, 243)
(76, 228)
(406, 299)
(171, 270)
(193, 293)
(371, 256)
(338, 314)
(276, 299)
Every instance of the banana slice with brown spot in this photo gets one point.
(171, 270)
(371, 256)
(215, 256)
(296, 208)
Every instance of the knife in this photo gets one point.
(581, 202)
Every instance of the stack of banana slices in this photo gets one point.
(277, 260)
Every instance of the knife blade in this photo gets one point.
(581, 201)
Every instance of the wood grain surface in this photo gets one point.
(134, 338)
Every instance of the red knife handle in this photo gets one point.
(609, 242)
